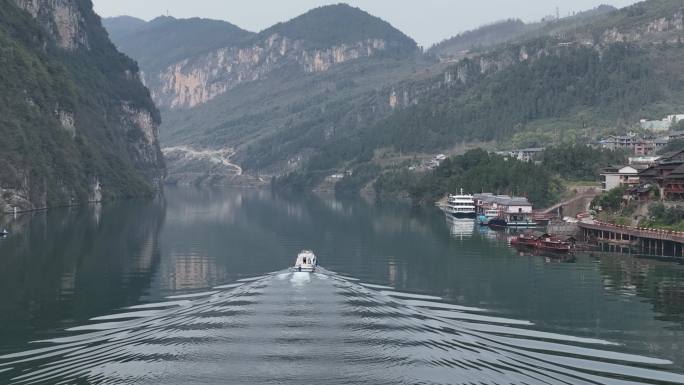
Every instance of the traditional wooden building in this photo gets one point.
(668, 175)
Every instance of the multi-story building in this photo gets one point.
(517, 211)
(634, 144)
(616, 176)
(668, 175)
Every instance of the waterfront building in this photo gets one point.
(515, 210)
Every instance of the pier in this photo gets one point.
(652, 242)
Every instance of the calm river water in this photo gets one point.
(194, 289)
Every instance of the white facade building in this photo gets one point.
(617, 176)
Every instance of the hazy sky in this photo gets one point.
(426, 21)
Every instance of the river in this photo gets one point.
(193, 288)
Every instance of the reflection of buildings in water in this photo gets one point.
(334, 205)
(192, 272)
(223, 210)
(67, 283)
(144, 259)
(661, 282)
(96, 209)
(461, 228)
(396, 275)
(392, 224)
(489, 233)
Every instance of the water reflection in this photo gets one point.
(660, 282)
(280, 329)
(461, 228)
(72, 264)
(75, 269)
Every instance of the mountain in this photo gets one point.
(165, 40)
(512, 30)
(310, 101)
(339, 24)
(76, 123)
(622, 66)
(206, 59)
(553, 88)
(298, 75)
(121, 26)
(485, 36)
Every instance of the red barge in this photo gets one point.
(544, 242)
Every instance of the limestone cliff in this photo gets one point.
(212, 65)
(61, 18)
(198, 80)
(77, 123)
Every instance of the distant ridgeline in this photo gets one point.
(76, 123)
(306, 98)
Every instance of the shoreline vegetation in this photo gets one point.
(544, 182)
(653, 213)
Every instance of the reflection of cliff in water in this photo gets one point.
(70, 264)
(661, 282)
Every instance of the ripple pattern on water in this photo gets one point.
(318, 328)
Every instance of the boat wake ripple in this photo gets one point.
(301, 328)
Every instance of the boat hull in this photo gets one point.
(527, 243)
(303, 269)
(522, 224)
(560, 249)
(497, 223)
(463, 215)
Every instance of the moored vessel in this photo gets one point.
(487, 216)
(527, 239)
(554, 244)
(543, 242)
(497, 223)
(461, 206)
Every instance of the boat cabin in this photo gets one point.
(306, 261)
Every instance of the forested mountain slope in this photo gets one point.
(606, 76)
(512, 30)
(314, 73)
(316, 100)
(76, 123)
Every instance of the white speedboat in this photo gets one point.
(4, 233)
(306, 261)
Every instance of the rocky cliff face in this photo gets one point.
(61, 18)
(668, 28)
(86, 128)
(197, 80)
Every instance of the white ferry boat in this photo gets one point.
(306, 261)
(461, 206)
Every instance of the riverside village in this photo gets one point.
(635, 207)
